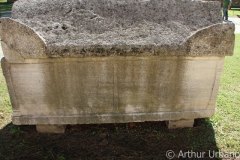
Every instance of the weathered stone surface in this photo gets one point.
(113, 89)
(119, 27)
(184, 123)
(19, 41)
(51, 128)
(113, 61)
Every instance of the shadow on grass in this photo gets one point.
(148, 140)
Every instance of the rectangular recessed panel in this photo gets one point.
(64, 88)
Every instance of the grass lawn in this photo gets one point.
(148, 140)
(226, 122)
(5, 106)
(234, 12)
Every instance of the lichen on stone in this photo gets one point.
(103, 27)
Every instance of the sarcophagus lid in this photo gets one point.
(79, 28)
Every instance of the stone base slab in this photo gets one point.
(185, 123)
(110, 118)
(50, 128)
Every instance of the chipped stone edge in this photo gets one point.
(210, 32)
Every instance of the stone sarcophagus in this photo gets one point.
(113, 61)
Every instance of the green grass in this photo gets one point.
(5, 107)
(234, 12)
(148, 140)
(226, 121)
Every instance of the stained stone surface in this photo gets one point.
(113, 61)
(112, 89)
(123, 27)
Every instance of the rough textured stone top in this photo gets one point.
(74, 28)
